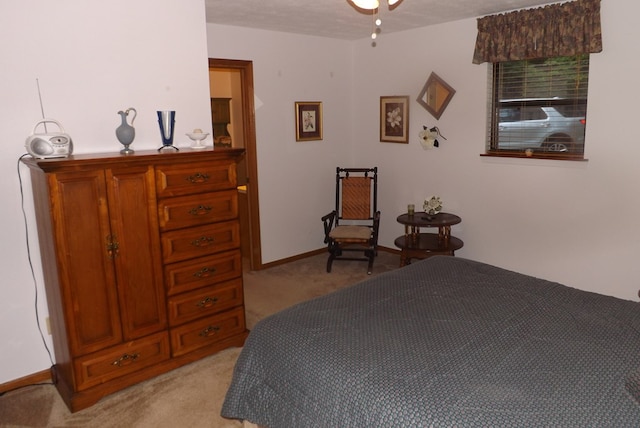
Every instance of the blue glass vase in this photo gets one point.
(166, 120)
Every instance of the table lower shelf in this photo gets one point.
(426, 245)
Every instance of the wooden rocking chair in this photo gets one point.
(353, 225)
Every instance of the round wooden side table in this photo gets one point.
(416, 245)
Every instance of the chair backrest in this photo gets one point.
(356, 193)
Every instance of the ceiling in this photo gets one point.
(339, 19)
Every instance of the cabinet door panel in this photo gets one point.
(134, 226)
(81, 224)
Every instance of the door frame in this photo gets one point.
(249, 128)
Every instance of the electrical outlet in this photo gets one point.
(48, 326)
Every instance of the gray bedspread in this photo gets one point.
(445, 342)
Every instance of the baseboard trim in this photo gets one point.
(315, 253)
(32, 379)
(389, 250)
(293, 258)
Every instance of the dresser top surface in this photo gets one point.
(139, 157)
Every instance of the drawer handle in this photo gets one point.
(202, 241)
(200, 210)
(113, 247)
(205, 272)
(210, 331)
(198, 177)
(126, 359)
(207, 302)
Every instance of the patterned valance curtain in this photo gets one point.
(564, 29)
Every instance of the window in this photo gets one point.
(539, 107)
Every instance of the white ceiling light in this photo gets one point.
(367, 4)
(371, 4)
(374, 7)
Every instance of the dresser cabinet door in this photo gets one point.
(87, 279)
(109, 251)
(134, 229)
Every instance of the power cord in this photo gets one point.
(33, 275)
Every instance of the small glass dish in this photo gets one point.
(197, 139)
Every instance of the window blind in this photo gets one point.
(539, 104)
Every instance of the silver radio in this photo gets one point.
(49, 144)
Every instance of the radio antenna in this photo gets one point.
(41, 106)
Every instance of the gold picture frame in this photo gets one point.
(308, 120)
(394, 119)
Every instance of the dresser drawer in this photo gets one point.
(195, 210)
(100, 367)
(204, 302)
(184, 244)
(207, 331)
(197, 177)
(203, 271)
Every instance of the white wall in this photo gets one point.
(92, 59)
(296, 179)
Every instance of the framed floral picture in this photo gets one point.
(394, 119)
(308, 120)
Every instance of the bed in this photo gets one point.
(444, 342)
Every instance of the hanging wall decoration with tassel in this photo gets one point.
(429, 137)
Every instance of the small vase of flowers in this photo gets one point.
(432, 206)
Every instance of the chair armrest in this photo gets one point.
(329, 216)
(328, 224)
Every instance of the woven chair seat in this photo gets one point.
(347, 233)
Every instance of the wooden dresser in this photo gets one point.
(142, 265)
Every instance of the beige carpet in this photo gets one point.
(191, 396)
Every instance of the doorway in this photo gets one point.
(233, 80)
